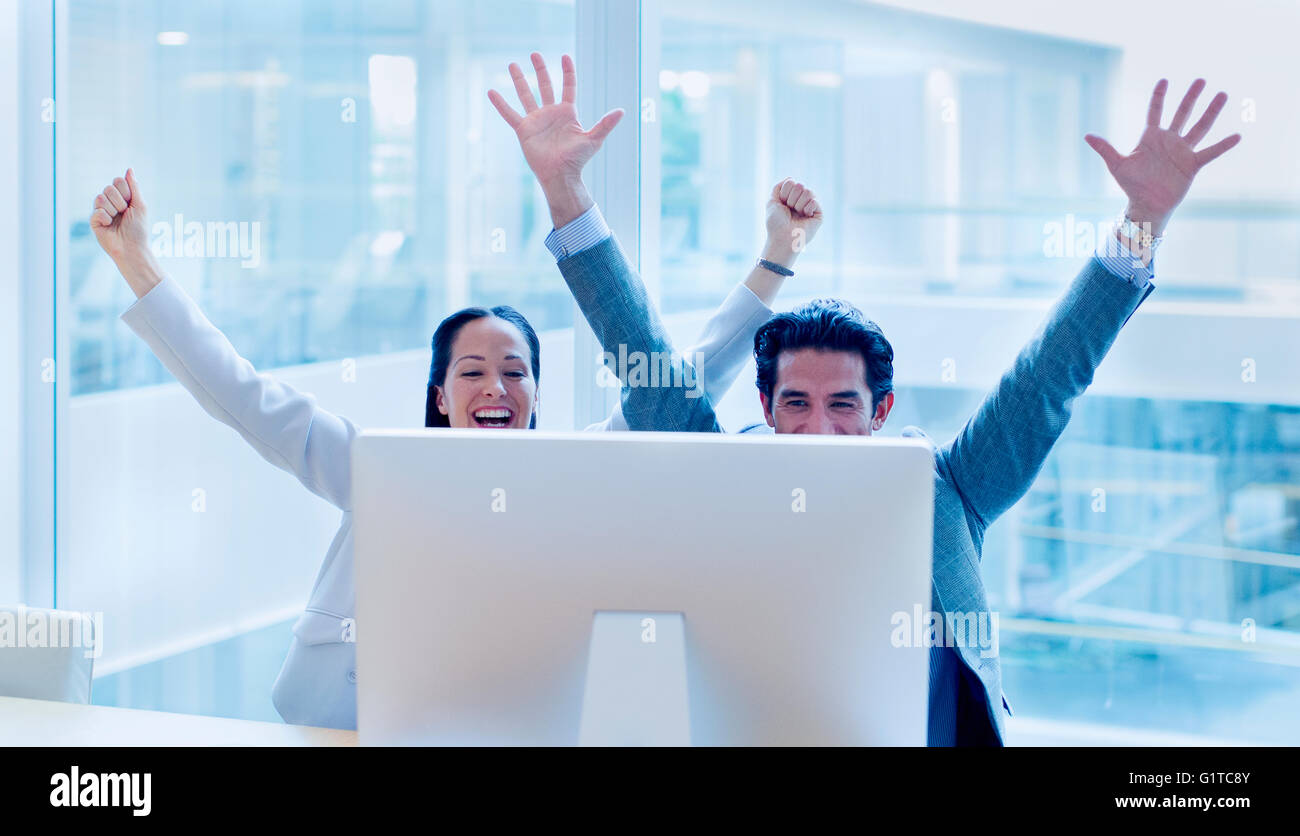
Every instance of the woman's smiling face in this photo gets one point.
(489, 381)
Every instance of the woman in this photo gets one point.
(484, 374)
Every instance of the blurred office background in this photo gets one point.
(1149, 584)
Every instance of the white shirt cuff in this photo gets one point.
(585, 231)
(1120, 261)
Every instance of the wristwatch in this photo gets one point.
(1142, 237)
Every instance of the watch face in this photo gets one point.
(1139, 233)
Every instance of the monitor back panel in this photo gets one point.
(481, 557)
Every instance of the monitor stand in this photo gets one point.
(635, 691)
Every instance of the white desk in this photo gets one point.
(45, 723)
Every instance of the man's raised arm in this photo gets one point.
(662, 390)
(997, 455)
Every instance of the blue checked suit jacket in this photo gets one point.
(978, 475)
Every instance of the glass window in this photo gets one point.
(327, 180)
(337, 161)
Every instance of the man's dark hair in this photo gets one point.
(827, 325)
(446, 335)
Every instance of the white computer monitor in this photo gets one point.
(775, 566)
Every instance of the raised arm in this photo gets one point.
(606, 285)
(613, 299)
(284, 426)
(997, 455)
(727, 341)
(721, 351)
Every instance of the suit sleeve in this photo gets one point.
(997, 455)
(284, 426)
(724, 347)
(613, 300)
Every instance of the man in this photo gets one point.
(826, 369)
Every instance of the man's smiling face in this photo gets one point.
(823, 392)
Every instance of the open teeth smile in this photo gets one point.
(493, 417)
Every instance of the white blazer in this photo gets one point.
(317, 683)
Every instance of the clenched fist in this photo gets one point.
(793, 218)
(120, 223)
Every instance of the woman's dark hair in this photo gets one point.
(446, 335)
(827, 325)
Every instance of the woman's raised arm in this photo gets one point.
(285, 426)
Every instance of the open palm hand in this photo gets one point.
(554, 142)
(1157, 174)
